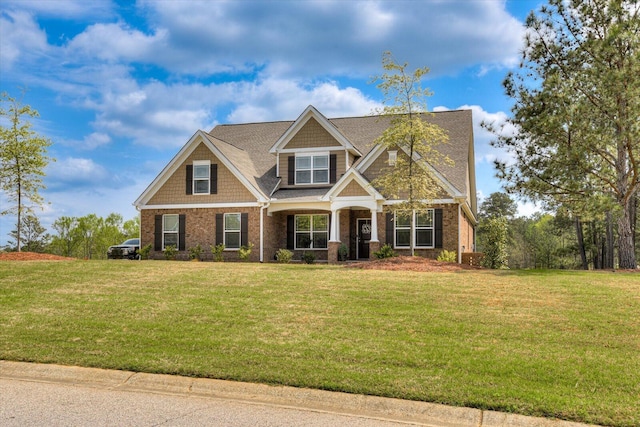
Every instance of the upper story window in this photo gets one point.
(201, 176)
(312, 169)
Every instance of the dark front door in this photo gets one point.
(364, 237)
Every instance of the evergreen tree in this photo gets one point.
(577, 143)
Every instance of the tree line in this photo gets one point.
(547, 239)
(86, 237)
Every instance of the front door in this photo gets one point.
(364, 237)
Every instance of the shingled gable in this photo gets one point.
(312, 113)
(444, 183)
(229, 156)
(352, 176)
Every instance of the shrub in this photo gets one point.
(144, 251)
(448, 256)
(308, 257)
(170, 252)
(284, 256)
(195, 252)
(245, 251)
(385, 251)
(217, 251)
(343, 252)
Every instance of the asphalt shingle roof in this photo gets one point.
(247, 145)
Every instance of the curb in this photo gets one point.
(422, 413)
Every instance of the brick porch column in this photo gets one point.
(373, 247)
(332, 255)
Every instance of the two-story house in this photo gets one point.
(306, 186)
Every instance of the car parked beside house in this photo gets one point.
(126, 250)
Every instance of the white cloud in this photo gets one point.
(63, 8)
(76, 172)
(339, 38)
(116, 43)
(20, 36)
(275, 99)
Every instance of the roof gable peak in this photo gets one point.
(312, 113)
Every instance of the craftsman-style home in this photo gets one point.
(305, 185)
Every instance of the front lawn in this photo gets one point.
(554, 344)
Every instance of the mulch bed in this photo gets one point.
(409, 263)
(31, 256)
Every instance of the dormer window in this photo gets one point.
(312, 168)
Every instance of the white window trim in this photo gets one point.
(311, 155)
(177, 232)
(224, 231)
(311, 231)
(206, 163)
(414, 213)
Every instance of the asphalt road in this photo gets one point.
(29, 403)
(34, 394)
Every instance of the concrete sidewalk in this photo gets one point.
(419, 413)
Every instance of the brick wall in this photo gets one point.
(449, 233)
(201, 229)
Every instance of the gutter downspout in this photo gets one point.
(262, 208)
(139, 229)
(459, 230)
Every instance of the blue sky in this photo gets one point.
(120, 85)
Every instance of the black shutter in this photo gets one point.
(292, 170)
(157, 234)
(389, 228)
(213, 179)
(189, 186)
(333, 166)
(182, 223)
(438, 227)
(219, 229)
(291, 232)
(244, 229)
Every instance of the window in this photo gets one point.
(170, 229)
(201, 177)
(312, 169)
(393, 157)
(423, 229)
(312, 231)
(232, 230)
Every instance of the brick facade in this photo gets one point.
(200, 229)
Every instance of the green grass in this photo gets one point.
(554, 344)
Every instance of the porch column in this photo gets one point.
(374, 226)
(334, 234)
(374, 243)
